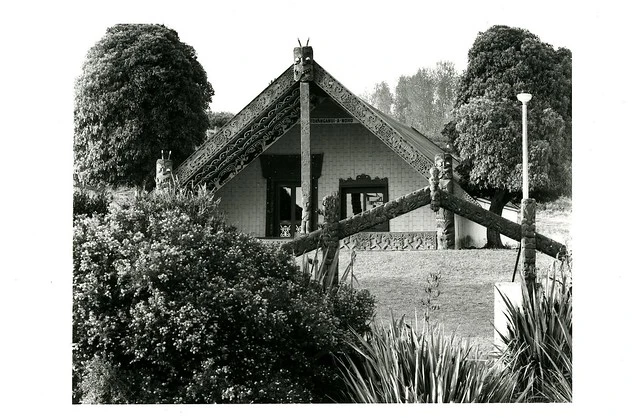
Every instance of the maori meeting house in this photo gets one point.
(307, 136)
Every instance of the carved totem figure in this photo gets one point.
(446, 184)
(331, 236)
(303, 63)
(164, 171)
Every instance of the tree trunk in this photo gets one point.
(498, 201)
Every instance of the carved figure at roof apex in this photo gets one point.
(303, 63)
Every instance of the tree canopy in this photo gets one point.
(503, 62)
(141, 91)
(425, 100)
(218, 119)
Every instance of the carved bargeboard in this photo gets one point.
(372, 121)
(390, 241)
(258, 106)
(236, 155)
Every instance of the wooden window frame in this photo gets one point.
(362, 184)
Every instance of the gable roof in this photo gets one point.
(275, 110)
(425, 145)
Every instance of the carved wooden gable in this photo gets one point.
(274, 112)
(372, 121)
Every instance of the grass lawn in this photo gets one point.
(397, 279)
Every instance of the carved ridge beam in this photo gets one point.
(253, 111)
(385, 132)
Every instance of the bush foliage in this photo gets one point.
(88, 203)
(171, 305)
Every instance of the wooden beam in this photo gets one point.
(504, 226)
(362, 221)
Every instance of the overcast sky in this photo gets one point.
(243, 45)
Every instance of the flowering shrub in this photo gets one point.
(173, 306)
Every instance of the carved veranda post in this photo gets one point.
(448, 220)
(303, 72)
(528, 243)
(330, 238)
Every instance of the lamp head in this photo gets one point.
(524, 97)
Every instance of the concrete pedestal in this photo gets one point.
(513, 292)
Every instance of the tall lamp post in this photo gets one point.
(528, 225)
(524, 98)
(512, 291)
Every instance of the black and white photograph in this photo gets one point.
(303, 207)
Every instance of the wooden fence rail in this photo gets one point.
(415, 200)
(504, 226)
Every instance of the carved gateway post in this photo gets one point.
(528, 243)
(330, 238)
(442, 179)
(303, 72)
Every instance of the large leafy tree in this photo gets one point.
(487, 126)
(141, 91)
(218, 119)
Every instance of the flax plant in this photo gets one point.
(537, 347)
(404, 364)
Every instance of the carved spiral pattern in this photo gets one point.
(390, 241)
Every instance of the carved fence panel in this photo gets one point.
(394, 241)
